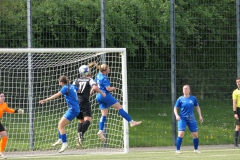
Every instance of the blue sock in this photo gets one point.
(125, 115)
(178, 143)
(59, 135)
(195, 143)
(101, 122)
(64, 138)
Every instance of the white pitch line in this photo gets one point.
(188, 151)
(146, 152)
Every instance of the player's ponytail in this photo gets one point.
(92, 64)
(101, 67)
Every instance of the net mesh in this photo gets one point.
(35, 131)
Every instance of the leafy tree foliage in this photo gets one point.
(205, 37)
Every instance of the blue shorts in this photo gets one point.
(190, 122)
(70, 114)
(105, 102)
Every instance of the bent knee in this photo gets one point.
(237, 128)
(88, 119)
(117, 106)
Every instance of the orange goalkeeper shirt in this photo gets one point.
(4, 108)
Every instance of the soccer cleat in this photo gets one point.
(133, 123)
(178, 152)
(236, 146)
(77, 140)
(196, 151)
(80, 139)
(101, 136)
(59, 141)
(64, 146)
(2, 155)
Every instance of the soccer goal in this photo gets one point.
(29, 75)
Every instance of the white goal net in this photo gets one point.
(29, 75)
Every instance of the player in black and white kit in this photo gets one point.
(85, 85)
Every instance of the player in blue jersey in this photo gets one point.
(186, 104)
(70, 94)
(108, 101)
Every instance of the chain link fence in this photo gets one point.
(206, 53)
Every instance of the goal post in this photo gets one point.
(28, 75)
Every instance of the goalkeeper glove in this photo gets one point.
(20, 111)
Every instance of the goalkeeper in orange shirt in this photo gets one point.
(4, 108)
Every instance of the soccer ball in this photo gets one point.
(84, 70)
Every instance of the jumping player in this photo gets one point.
(108, 101)
(85, 84)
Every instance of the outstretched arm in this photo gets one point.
(10, 110)
(50, 98)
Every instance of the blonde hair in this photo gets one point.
(187, 85)
(101, 67)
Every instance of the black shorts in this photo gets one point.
(238, 113)
(1, 127)
(85, 110)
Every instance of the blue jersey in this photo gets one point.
(186, 106)
(71, 97)
(102, 82)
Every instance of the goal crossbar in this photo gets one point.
(62, 50)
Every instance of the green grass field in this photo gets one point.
(155, 131)
(217, 128)
(208, 152)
